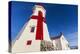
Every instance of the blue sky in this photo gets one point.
(59, 17)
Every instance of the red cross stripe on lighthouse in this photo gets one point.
(40, 20)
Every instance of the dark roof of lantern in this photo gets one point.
(39, 4)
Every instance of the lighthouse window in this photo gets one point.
(29, 42)
(32, 29)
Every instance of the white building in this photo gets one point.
(34, 35)
(60, 42)
(33, 32)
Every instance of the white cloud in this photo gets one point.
(73, 39)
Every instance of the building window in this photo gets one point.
(67, 45)
(32, 29)
(29, 42)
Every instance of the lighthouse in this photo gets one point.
(33, 32)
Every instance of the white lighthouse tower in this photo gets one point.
(33, 32)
